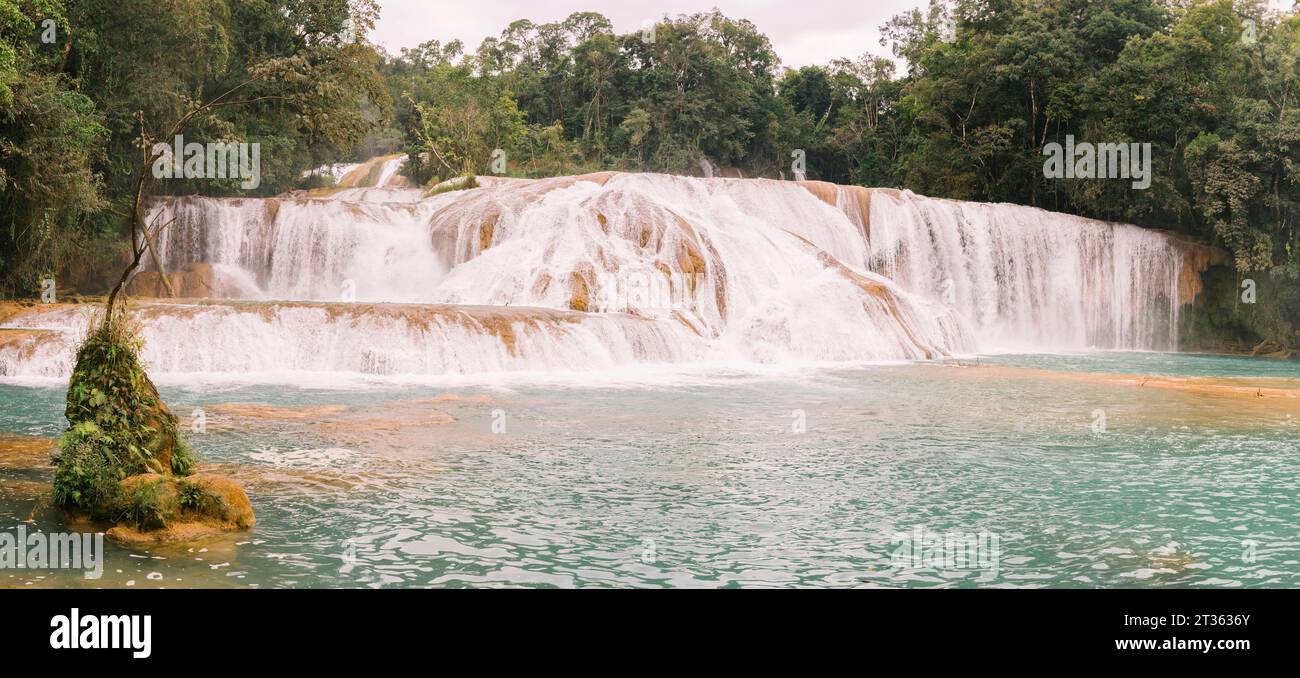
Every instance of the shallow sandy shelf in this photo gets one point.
(1270, 391)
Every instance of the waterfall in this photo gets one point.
(591, 272)
(1028, 279)
(307, 249)
(388, 175)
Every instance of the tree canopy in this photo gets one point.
(83, 83)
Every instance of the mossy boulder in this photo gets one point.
(217, 498)
(151, 501)
(159, 508)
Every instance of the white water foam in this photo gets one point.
(1031, 280)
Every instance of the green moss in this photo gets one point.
(86, 474)
(373, 174)
(148, 506)
(196, 499)
(467, 182)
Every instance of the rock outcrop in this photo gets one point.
(196, 280)
(165, 509)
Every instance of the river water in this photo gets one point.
(717, 477)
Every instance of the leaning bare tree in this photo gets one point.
(144, 235)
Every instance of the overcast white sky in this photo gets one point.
(802, 31)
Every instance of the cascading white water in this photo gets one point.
(737, 269)
(737, 259)
(389, 172)
(272, 339)
(1028, 279)
(312, 249)
(609, 269)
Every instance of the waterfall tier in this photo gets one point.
(606, 269)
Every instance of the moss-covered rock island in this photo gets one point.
(123, 463)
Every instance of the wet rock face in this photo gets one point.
(1274, 349)
(196, 280)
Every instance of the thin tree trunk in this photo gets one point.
(162, 271)
(144, 186)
